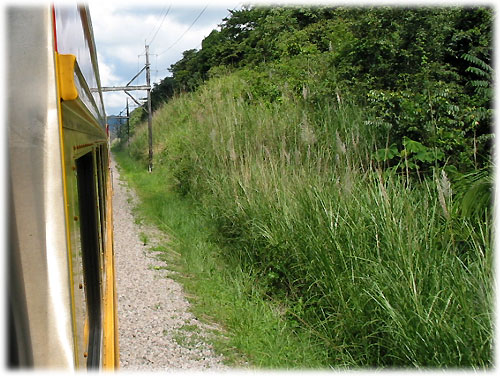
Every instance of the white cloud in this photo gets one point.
(107, 72)
(114, 99)
(122, 31)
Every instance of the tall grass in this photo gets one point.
(380, 269)
(253, 332)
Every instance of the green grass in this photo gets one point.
(317, 256)
(254, 330)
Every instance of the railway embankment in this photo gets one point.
(326, 177)
(306, 247)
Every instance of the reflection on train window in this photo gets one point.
(87, 202)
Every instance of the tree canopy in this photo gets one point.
(425, 73)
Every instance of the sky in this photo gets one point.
(121, 31)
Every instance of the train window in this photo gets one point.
(101, 190)
(87, 202)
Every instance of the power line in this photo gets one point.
(227, 15)
(199, 45)
(152, 29)
(161, 23)
(189, 28)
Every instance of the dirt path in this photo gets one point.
(157, 331)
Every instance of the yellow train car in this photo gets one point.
(62, 306)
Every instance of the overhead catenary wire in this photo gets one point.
(155, 31)
(230, 11)
(189, 28)
(199, 44)
(154, 27)
(157, 71)
(159, 26)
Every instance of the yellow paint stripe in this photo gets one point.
(111, 347)
(115, 296)
(66, 208)
(86, 332)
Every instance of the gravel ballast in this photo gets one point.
(157, 330)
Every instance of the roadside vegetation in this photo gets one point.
(326, 175)
(254, 331)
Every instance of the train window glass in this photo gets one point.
(101, 198)
(87, 202)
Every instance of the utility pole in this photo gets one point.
(127, 88)
(150, 115)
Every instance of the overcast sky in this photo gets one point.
(169, 28)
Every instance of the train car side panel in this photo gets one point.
(35, 170)
(62, 295)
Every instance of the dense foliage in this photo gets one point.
(343, 155)
(425, 73)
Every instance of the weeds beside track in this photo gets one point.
(315, 244)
